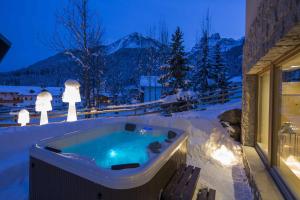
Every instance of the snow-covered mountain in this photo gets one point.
(132, 41)
(225, 43)
(231, 49)
(126, 57)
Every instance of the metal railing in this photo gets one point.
(201, 102)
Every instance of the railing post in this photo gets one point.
(223, 97)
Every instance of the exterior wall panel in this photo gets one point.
(272, 30)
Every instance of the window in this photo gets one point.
(288, 135)
(262, 137)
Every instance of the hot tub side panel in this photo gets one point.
(48, 182)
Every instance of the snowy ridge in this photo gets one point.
(125, 56)
(226, 43)
(134, 40)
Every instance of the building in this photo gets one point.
(132, 94)
(151, 88)
(271, 98)
(103, 99)
(25, 96)
(9, 98)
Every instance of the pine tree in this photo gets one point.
(220, 71)
(203, 67)
(176, 70)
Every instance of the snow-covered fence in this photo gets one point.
(219, 96)
(201, 102)
(110, 111)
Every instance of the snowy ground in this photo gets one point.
(209, 148)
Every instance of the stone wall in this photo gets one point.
(248, 125)
(274, 20)
(274, 31)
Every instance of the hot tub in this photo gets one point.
(113, 161)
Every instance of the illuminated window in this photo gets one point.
(289, 122)
(263, 111)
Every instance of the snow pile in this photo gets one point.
(214, 146)
(222, 149)
(180, 95)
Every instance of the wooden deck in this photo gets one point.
(183, 184)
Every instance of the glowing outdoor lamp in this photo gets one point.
(23, 117)
(224, 156)
(71, 95)
(43, 104)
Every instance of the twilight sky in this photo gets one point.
(26, 22)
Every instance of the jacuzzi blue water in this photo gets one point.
(116, 148)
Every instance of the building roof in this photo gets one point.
(150, 81)
(30, 90)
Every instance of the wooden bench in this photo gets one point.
(206, 194)
(183, 184)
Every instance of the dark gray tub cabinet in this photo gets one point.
(48, 182)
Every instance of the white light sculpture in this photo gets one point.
(23, 117)
(71, 95)
(43, 105)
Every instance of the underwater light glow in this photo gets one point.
(112, 153)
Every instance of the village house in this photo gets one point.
(25, 96)
(9, 98)
(271, 98)
(151, 88)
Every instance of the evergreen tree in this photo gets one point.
(203, 66)
(220, 72)
(175, 74)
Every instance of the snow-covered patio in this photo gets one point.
(209, 147)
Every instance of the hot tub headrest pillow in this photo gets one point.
(130, 127)
(155, 147)
(53, 149)
(171, 134)
(125, 166)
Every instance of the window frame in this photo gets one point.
(266, 158)
(270, 160)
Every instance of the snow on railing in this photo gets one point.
(134, 105)
(202, 101)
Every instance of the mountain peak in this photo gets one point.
(133, 40)
(215, 36)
